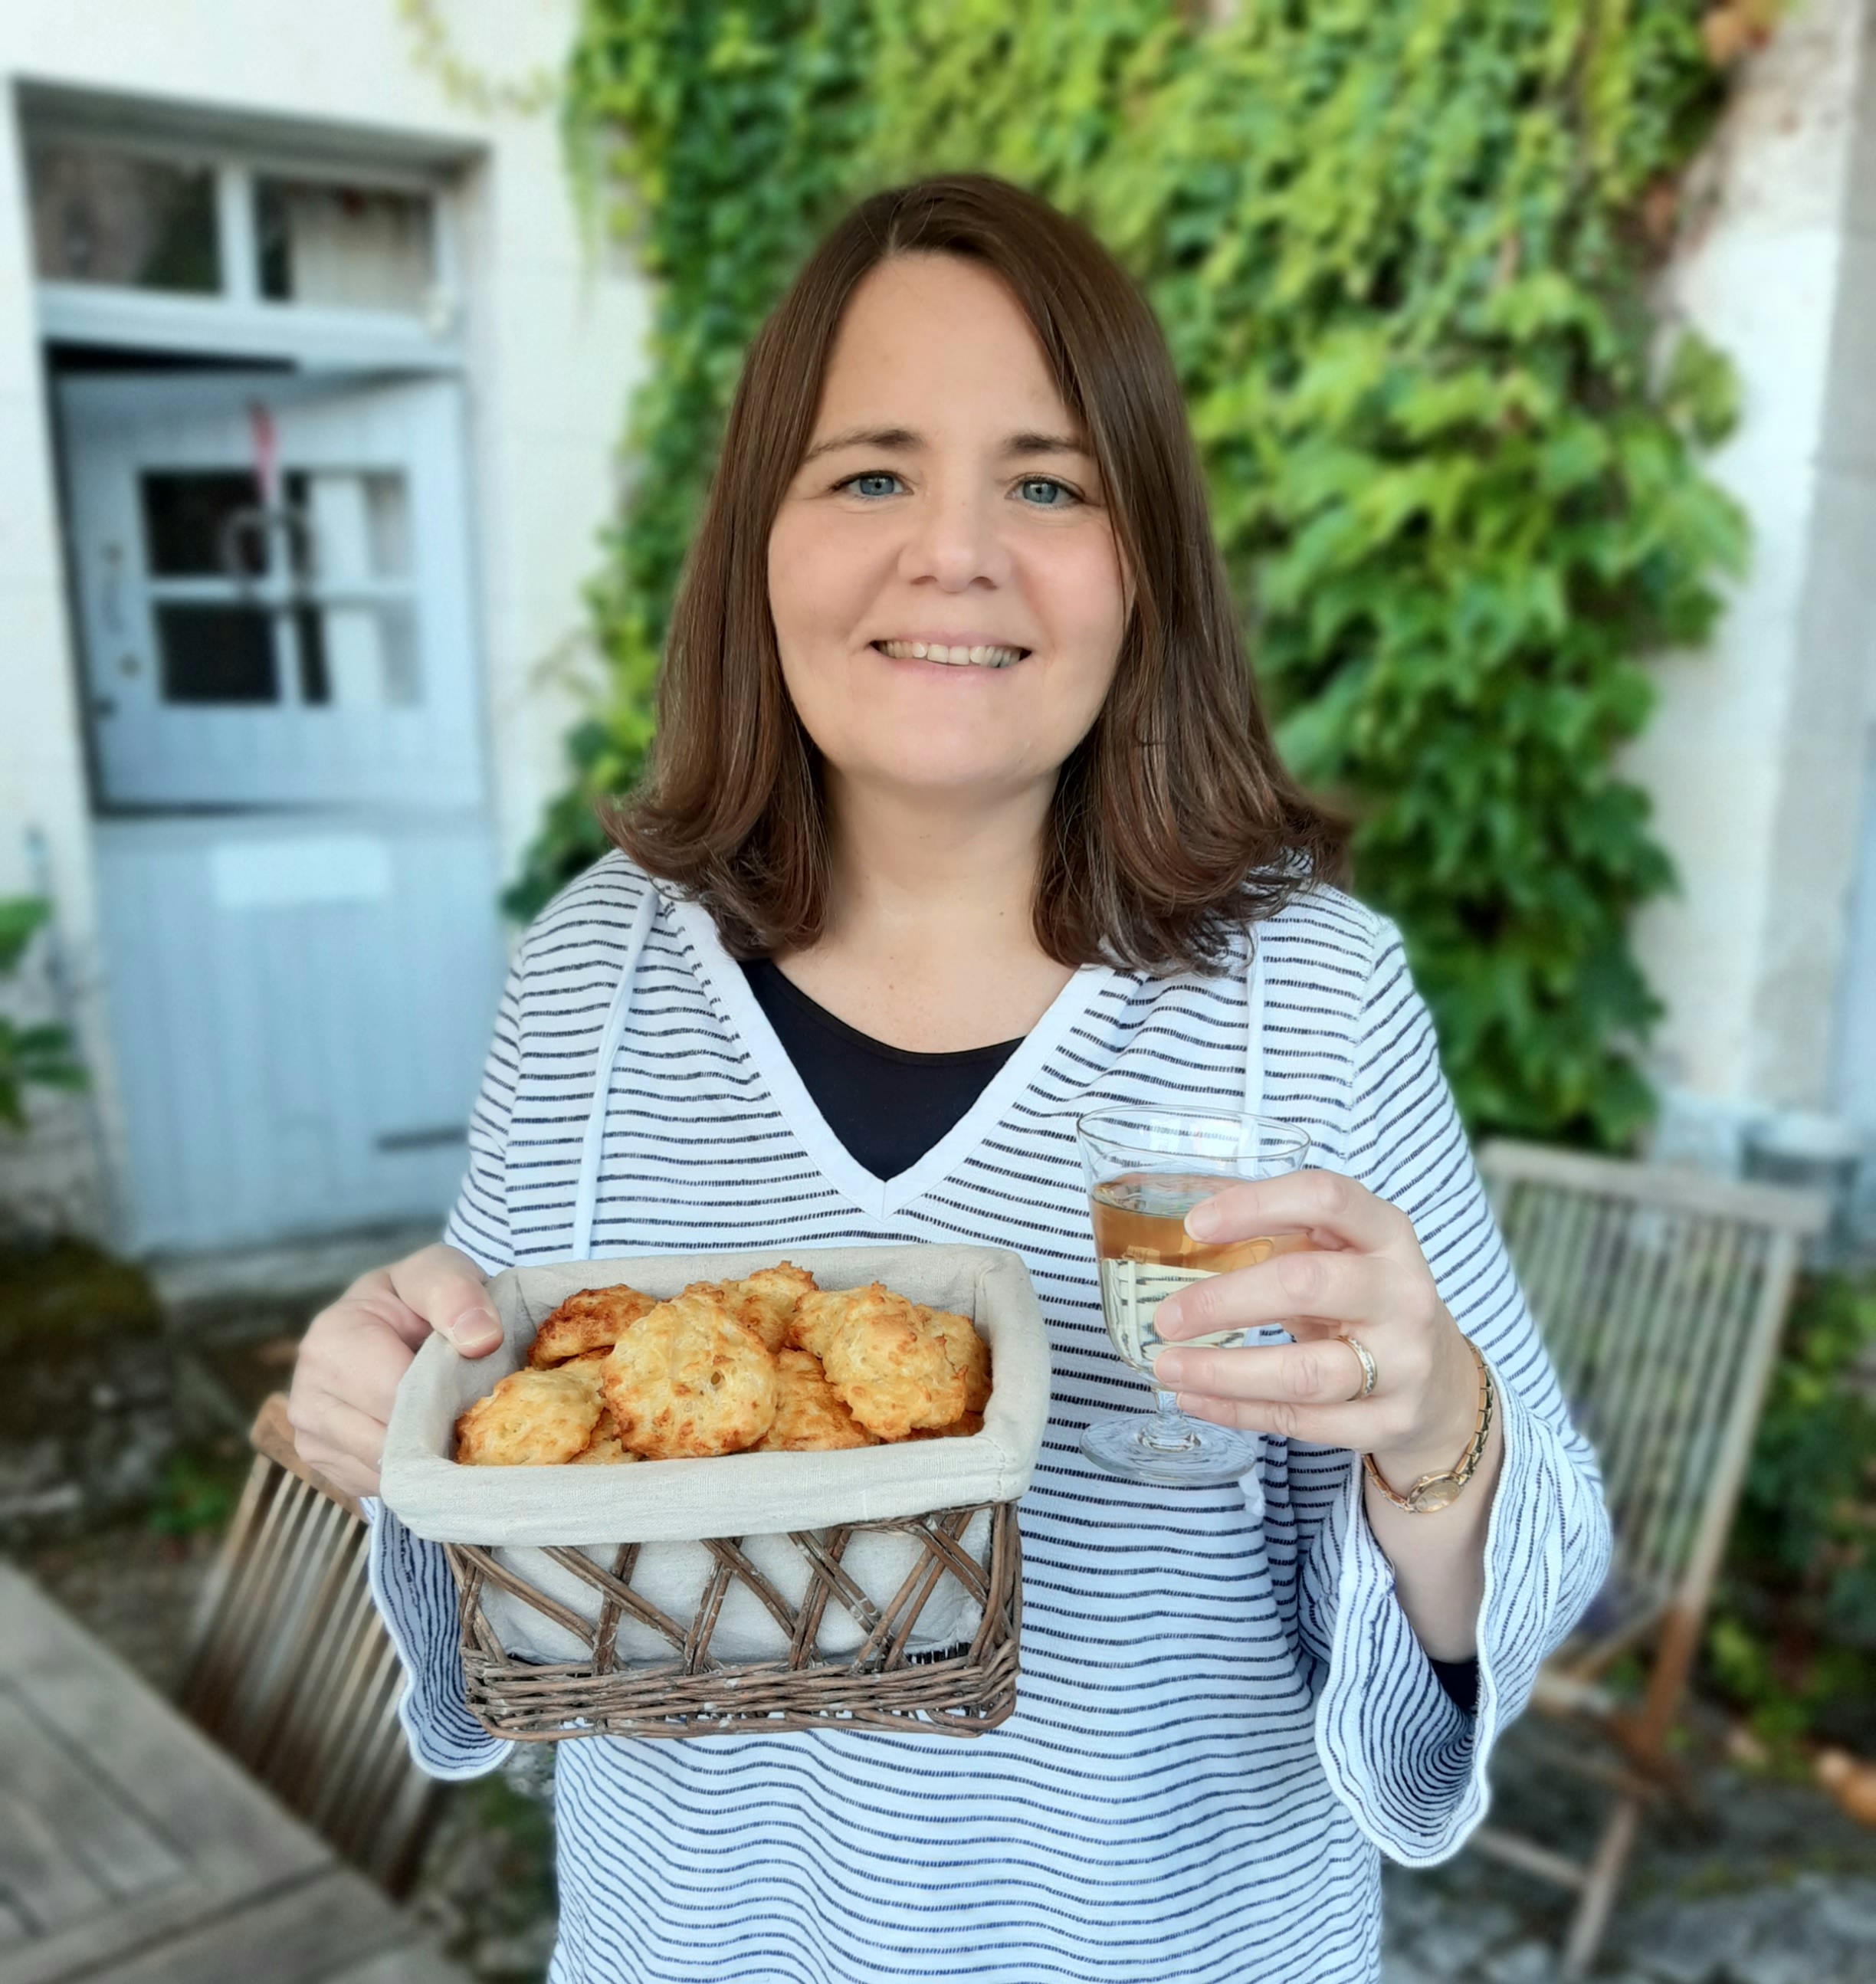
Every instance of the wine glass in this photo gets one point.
(1146, 1169)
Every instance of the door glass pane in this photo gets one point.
(193, 523)
(357, 524)
(344, 247)
(368, 653)
(104, 216)
(215, 654)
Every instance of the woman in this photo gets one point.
(964, 819)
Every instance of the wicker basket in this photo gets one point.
(882, 1597)
(962, 1693)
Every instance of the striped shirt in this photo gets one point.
(1225, 1717)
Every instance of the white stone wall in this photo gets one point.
(1755, 756)
(554, 334)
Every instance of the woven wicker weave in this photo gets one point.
(880, 1685)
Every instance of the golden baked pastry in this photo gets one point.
(532, 1419)
(688, 1379)
(969, 1356)
(958, 1428)
(604, 1448)
(810, 1419)
(887, 1363)
(765, 1300)
(770, 1361)
(589, 1319)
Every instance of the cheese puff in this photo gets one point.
(532, 1419)
(808, 1418)
(969, 1355)
(763, 1301)
(688, 1380)
(604, 1448)
(890, 1368)
(589, 1319)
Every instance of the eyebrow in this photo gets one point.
(902, 441)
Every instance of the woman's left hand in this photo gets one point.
(1362, 1275)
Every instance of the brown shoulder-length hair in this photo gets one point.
(1174, 823)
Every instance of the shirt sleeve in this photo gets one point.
(1404, 1759)
(411, 1581)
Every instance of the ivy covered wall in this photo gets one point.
(1400, 249)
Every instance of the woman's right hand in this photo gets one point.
(353, 1353)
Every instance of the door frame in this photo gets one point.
(239, 329)
(239, 322)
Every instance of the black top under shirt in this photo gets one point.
(888, 1106)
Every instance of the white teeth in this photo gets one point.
(985, 657)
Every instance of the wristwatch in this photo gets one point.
(1432, 1492)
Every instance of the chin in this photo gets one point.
(939, 773)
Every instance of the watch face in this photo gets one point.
(1427, 1498)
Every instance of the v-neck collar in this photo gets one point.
(878, 1197)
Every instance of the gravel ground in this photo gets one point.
(1765, 1882)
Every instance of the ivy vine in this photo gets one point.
(1401, 249)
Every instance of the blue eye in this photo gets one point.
(1032, 482)
(858, 484)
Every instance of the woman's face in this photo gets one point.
(947, 593)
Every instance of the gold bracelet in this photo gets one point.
(1433, 1492)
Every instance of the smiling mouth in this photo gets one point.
(985, 657)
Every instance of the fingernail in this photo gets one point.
(1168, 1368)
(475, 1331)
(1167, 1318)
(1203, 1222)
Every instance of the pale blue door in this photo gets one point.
(297, 873)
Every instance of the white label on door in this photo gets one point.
(285, 874)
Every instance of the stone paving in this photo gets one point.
(1768, 1884)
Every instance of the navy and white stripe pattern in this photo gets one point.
(1222, 1718)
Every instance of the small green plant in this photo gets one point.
(1793, 1638)
(37, 1055)
(200, 1489)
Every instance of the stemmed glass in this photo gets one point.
(1146, 1169)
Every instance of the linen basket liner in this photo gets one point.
(520, 1514)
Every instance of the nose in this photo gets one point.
(954, 541)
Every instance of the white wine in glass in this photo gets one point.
(1144, 1255)
(1146, 1169)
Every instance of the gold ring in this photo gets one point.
(1370, 1372)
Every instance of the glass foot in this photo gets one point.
(1175, 1453)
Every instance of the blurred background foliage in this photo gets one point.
(1792, 1639)
(42, 1055)
(1400, 249)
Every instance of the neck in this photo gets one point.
(931, 944)
(934, 869)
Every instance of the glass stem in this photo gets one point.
(1169, 1431)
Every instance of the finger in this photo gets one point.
(1362, 1428)
(350, 1355)
(1340, 1289)
(338, 1441)
(1308, 1201)
(439, 1288)
(1323, 1371)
